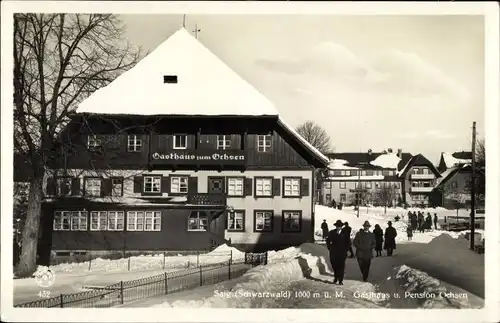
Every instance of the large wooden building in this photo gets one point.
(179, 153)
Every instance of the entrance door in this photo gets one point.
(216, 185)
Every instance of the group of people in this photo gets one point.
(420, 222)
(338, 242)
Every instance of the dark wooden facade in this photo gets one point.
(157, 137)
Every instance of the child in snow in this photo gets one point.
(409, 232)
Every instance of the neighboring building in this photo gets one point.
(179, 153)
(361, 177)
(419, 176)
(453, 189)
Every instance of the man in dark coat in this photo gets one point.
(347, 229)
(337, 243)
(428, 222)
(420, 222)
(324, 228)
(364, 242)
(390, 238)
(435, 221)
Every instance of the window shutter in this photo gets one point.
(138, 182)
(193, 184)
(106, 186)
(304, 187)
(165, 184)
(248, 187)
(276, 187)
(75, 186)
(51, 186)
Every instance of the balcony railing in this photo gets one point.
(423, 176)
(421, 189)
(207, 199)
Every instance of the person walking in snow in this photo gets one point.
(379, 239)
(414, 221)
(364, 242)
(435, 221)
(324, 228)
(428, 222)
(337, 243)
(409, 232)
(390, 238)
(420, 222)
(347, 229)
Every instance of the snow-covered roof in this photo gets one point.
(389, 160)
(451, 161)
(206, 85)
(339, 164)
(313, 149)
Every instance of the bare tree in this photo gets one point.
(315, 135)
(59, 59)
(385, 196)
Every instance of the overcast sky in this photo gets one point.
(409, 82)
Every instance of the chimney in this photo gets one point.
(389, 150)
(384, 151)
(400, 153)
(369, 151)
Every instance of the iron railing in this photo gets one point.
(139, 289)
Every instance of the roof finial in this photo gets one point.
(196, 31)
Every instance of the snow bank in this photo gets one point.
(148, 262)
(389, 160)
(432, 293)
(284, 266)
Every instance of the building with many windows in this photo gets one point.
(179, 153)
(364, 178)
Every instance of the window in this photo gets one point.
(79, 221)
(397, 185)
(135, 221)
(263, 143)
(93, 186)
(291, 186)
(152, 184)
(377, 185)
(134, 143)
(343, 198)
(263, 186)
(363, 173)
(235, 186)
(93, 142)
(426, 171)
(223, 142)
(415, 170)
(369, 172)
(98, 220)
(236, 221)
(328, 198)
(292, 221)
(454, 184)
(368, 184)
(152, 221)
(178, 184)
(62, 220)
(64, 186)
(198, 221)
(342, 184)
(180, 141)
(117, 187)
(263, 221)
(328, 185)
(116, 220)
(391, 173)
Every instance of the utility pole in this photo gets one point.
(473, 189)
(184, 21)
(196, 31)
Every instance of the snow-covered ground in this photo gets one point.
(71, 277)
(376, 215)
(423, 272)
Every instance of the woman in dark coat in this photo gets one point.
(390, 238)
(379, 239)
